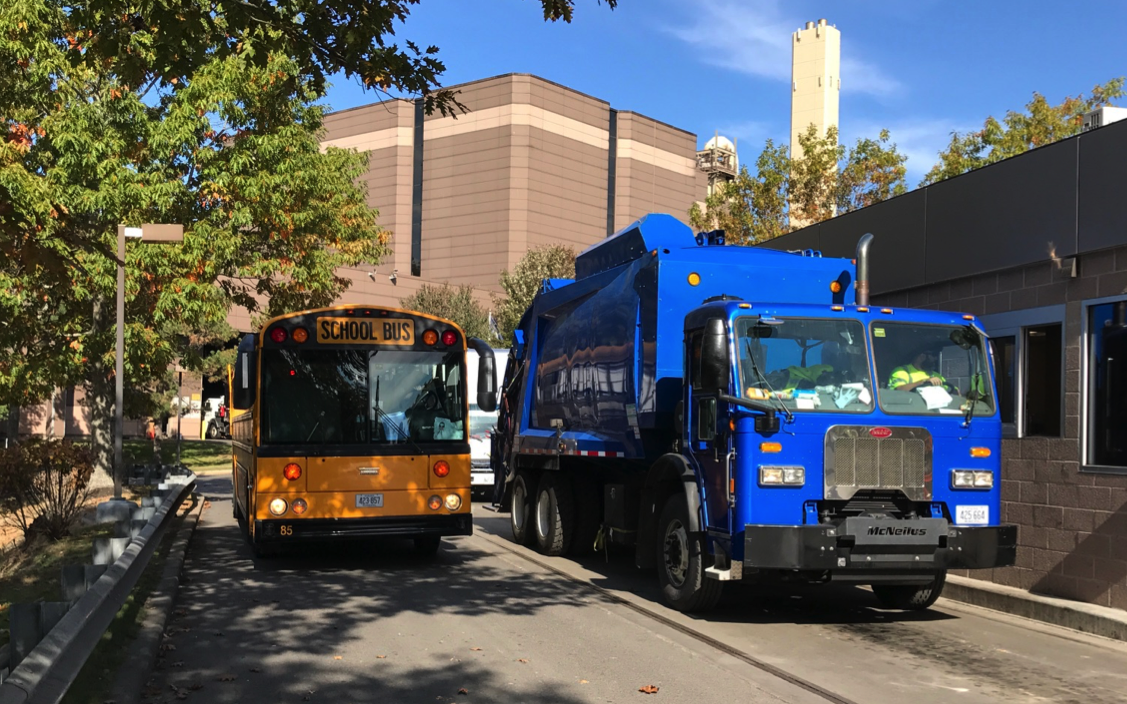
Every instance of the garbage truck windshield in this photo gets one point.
(807, 364)
(932, 369)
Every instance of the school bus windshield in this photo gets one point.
(361, 396)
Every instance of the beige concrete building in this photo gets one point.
(815, 80)
(531, 163)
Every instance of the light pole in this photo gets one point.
(156, 234)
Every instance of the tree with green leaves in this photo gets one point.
(188, 112)
(1019, 132)
(455, 303)
(550, 261)
(788, 193)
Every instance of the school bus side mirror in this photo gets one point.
(486, 375)
(243, 386)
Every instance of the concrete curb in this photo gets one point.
(1088, 618)
(142, 654)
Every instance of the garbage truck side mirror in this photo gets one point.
(486, 375)
(714, 366)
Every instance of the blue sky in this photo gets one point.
(921, 68)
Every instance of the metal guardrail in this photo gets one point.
(46, 673)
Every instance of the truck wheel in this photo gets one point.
(520, 513)
(554, 514)
(588, 514)
(211, 433)
(910, 597)
(680, 561)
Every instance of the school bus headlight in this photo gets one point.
(435, 502)
(453, 502)
(983, 480)
(299, 506)
(278, 507)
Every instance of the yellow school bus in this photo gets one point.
(351, 422)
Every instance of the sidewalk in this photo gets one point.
(1089, 618)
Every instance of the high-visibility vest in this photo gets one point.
(908, 374)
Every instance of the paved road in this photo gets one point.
(376, 624)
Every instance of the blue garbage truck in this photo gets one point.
(737, 413)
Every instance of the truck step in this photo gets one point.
(732, 574)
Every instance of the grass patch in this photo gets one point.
(196, 454)
(95, 681)
(31, 574)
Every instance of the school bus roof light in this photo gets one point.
(449, 337)
(441, 468)
(435, 502)
(300, 335)
(278, 335)
(430, 337)
(292, 471)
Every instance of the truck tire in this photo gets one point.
(910, 597)
(520, 513)
(553, 514)
(212, 431)
(681, 561)
(588, 514)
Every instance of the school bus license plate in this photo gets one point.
(369, 501)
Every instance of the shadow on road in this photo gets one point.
(839, 604)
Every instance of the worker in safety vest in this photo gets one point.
(919, 372)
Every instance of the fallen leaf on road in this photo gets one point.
(583, 682)
(226, 678)
(648, 689)
(463, 690)
(475, 648)
(523, 660)
(337, 657)
(381, 657)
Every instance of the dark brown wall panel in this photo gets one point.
(1103, 180)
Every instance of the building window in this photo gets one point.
(1042, 380)
(1028, 350)
(1005, 373)
(1107, 384)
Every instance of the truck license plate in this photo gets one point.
(972, 515)
(369, 501)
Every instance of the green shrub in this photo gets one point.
(44, 485)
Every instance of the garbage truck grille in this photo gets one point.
(865, 457)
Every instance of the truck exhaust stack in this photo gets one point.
(862, 285)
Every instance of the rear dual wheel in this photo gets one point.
(520, 514)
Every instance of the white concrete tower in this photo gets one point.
(815, 80)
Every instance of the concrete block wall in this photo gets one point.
(1072, 523)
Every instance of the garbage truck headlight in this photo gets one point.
(782, 476)
(972, 479)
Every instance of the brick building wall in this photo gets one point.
(1072, 520)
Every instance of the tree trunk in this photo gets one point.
(51, 414)
(12, 430)
(99, 400)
